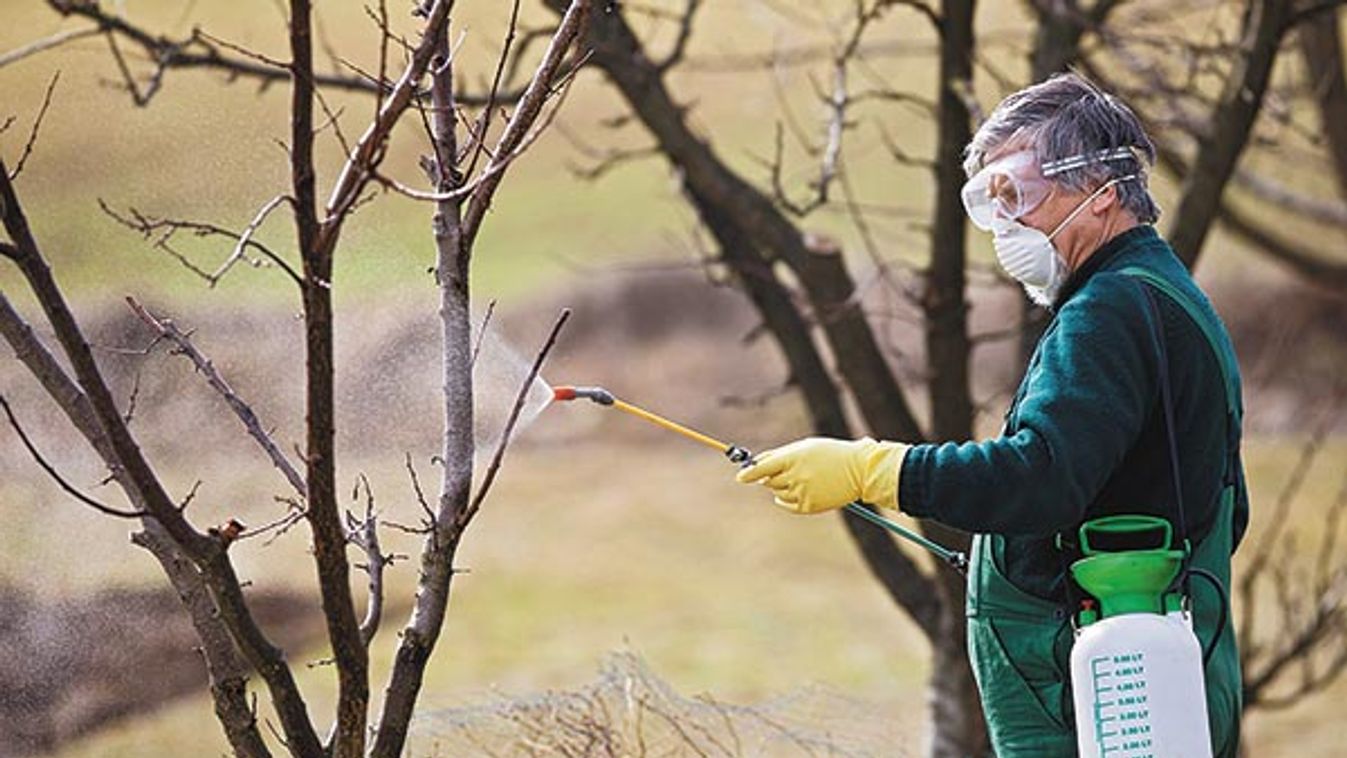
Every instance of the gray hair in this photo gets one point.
(1068, 117)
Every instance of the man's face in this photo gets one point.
(1054, 205)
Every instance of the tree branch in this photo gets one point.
(162, 231)
(1324, 211)
(483, 127)
(69, 488)
(168, 330)
(454, 243)
(364, 534)
(37, 125)
(228, 673)
(1307, 262)
(451, 272)
(347, 736)
(680, 46)
(46, 43)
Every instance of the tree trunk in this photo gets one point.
(957, 726)
(1220, 145)
(956, 711)
(1321, 49)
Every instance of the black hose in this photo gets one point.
(1225, 610)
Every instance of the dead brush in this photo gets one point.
(630, 712)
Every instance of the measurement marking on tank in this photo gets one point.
(1121, 721)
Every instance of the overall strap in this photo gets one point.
(1225, 357)
(1220, 348)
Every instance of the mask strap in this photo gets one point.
(1102, 188)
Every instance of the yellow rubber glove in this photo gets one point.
(819, 474)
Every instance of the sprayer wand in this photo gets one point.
(741, 456)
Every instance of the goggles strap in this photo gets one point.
(1062, 165)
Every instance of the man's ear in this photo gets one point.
(1105, 202)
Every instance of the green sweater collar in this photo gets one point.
(1135, 237)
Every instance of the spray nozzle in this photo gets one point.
(739, 455)
(597, 394)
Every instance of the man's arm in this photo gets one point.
(1086, 400)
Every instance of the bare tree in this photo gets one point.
(198, 562)
(1201, 73)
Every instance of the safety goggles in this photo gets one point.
(1014, 185)
(1006, 189)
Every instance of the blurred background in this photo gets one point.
(604, 536)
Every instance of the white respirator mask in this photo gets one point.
(1007, 189)
(1029, 256)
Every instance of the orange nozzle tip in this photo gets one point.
(563, 393)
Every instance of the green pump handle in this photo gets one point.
(1125, 524)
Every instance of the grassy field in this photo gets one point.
(590, 547)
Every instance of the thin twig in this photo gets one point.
(498, 456)
(131, 400)
(160, 232)
(191, 495)
(280, 526)
(245, 52)
(520, 129)
(241, 409)
(138, 96)
(54, 474)
(481, 332)
(246, 237)
(486, 180)
(675, 55)
(484, 124)
(46, 43)
(37, 124)
(420, 495)
(384, 35)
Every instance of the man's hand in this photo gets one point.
(819, 474)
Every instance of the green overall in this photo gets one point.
(1020, 644)
(1085, 438)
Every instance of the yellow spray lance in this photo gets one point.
(741, 456)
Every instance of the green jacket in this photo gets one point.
(1085, 437)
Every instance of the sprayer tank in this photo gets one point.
(1139, 689)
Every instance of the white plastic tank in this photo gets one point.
(1139, 689)
(1136, 665)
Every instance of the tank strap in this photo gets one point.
(1225, 357)
(1167, 402)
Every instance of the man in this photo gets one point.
(1130, 404)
